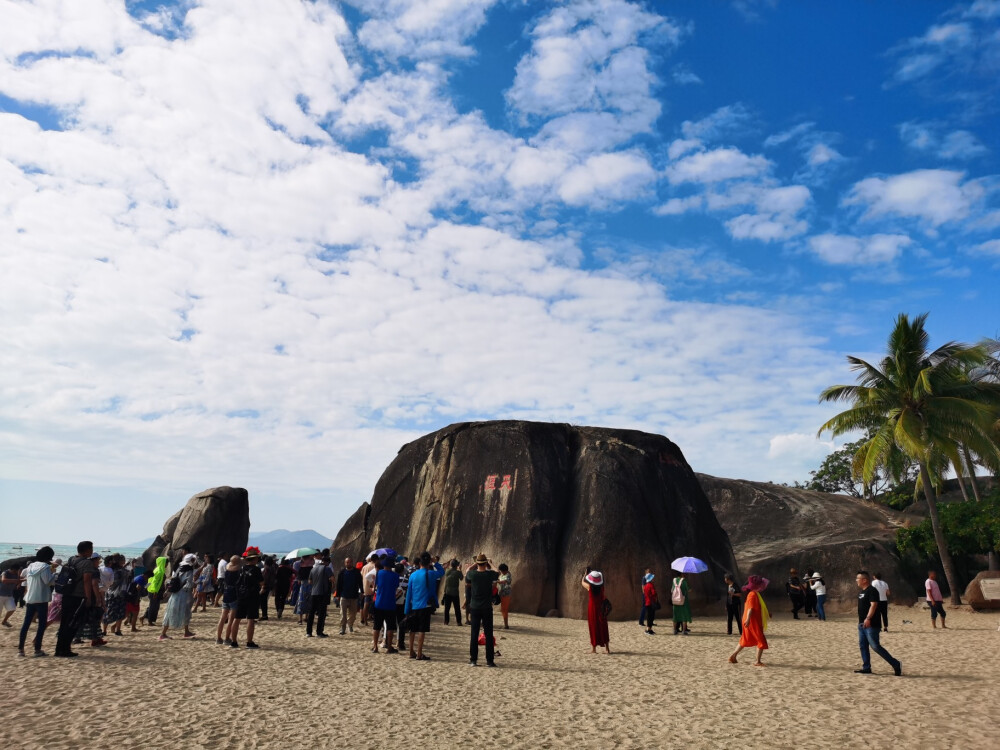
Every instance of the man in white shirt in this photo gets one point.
(883, 600)
(220, 576)
(935, 599)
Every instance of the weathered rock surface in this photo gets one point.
(213, 521)
(774, 528)
(974, 592)
(549, 500)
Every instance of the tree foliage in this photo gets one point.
(969, 528)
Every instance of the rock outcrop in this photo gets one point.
(974, 595)
(549, 500)
(213, 521)
(774, 528)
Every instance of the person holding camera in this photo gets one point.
(481, 583)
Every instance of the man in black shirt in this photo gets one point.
(248, 589)
(867, 629)
(480, 582)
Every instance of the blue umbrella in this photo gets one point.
(688, 565)
(387, 551)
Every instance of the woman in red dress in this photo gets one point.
(754, 619)
(596, 618)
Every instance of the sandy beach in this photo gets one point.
(653, 691)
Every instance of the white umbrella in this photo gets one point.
(688, 565)
(301, 552)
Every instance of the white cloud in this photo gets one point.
(821, 154)
(421, 29)
(723, 121)
(990, 247)
(793, 133)
(586, 63)
(936, 196)
(606, 177)
(796, 445)
(725, 163)
(927, 138)
(684, 76)
(876, 249)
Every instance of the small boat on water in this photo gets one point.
(18, 547)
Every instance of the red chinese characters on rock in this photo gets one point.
(505, 483)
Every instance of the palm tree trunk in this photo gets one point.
(961, 481)
(946, 562)
(972, 474)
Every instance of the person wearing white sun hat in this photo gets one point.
(597, 611)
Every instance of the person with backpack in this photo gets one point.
(39, 575)
(249, 586)
(77, 583)
(681, 607)
(181, 586)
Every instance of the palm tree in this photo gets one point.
(920, 403)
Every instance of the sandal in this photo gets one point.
(423, 658)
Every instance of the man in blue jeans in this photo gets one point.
(868, 627)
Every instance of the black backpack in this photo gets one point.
(67, 579)
(244, 585)
(175, 583)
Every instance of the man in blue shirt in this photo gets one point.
(421, 601)
(386, 584)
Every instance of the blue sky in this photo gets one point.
(267, 243)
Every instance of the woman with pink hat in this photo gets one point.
(597, 615)
(755, 617)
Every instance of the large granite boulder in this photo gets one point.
(774, 528)
(975, 597)
(549, 500)
(213, 521)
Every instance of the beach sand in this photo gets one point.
(550, 691)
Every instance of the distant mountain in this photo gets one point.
(283, 540)
(141, 544)
(279, 540)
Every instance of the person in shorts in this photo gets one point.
(935, 600)
(227, 585)
(248, 590)
(421, 601)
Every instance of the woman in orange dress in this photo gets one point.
(597, 618)
(755, 619)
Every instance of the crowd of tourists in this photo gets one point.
(93, 598)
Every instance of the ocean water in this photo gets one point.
(24, 549)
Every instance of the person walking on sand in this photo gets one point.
(178, 614)
(755, 619)
(504, 588)
(681, 605)
(282, 585)
(452, 577)
(818, 585)
(734, 605)
(10, 581)
(349, 589)
(384, 609)
(597, 615)
(793, 587)
(868, 627)
(642, 596)
(650, 602)
(935, 599)
(883, 601)
(39, 576)
(248, 589)
(155, 590)
(320, 586)
(77, 603)
(481, 582)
